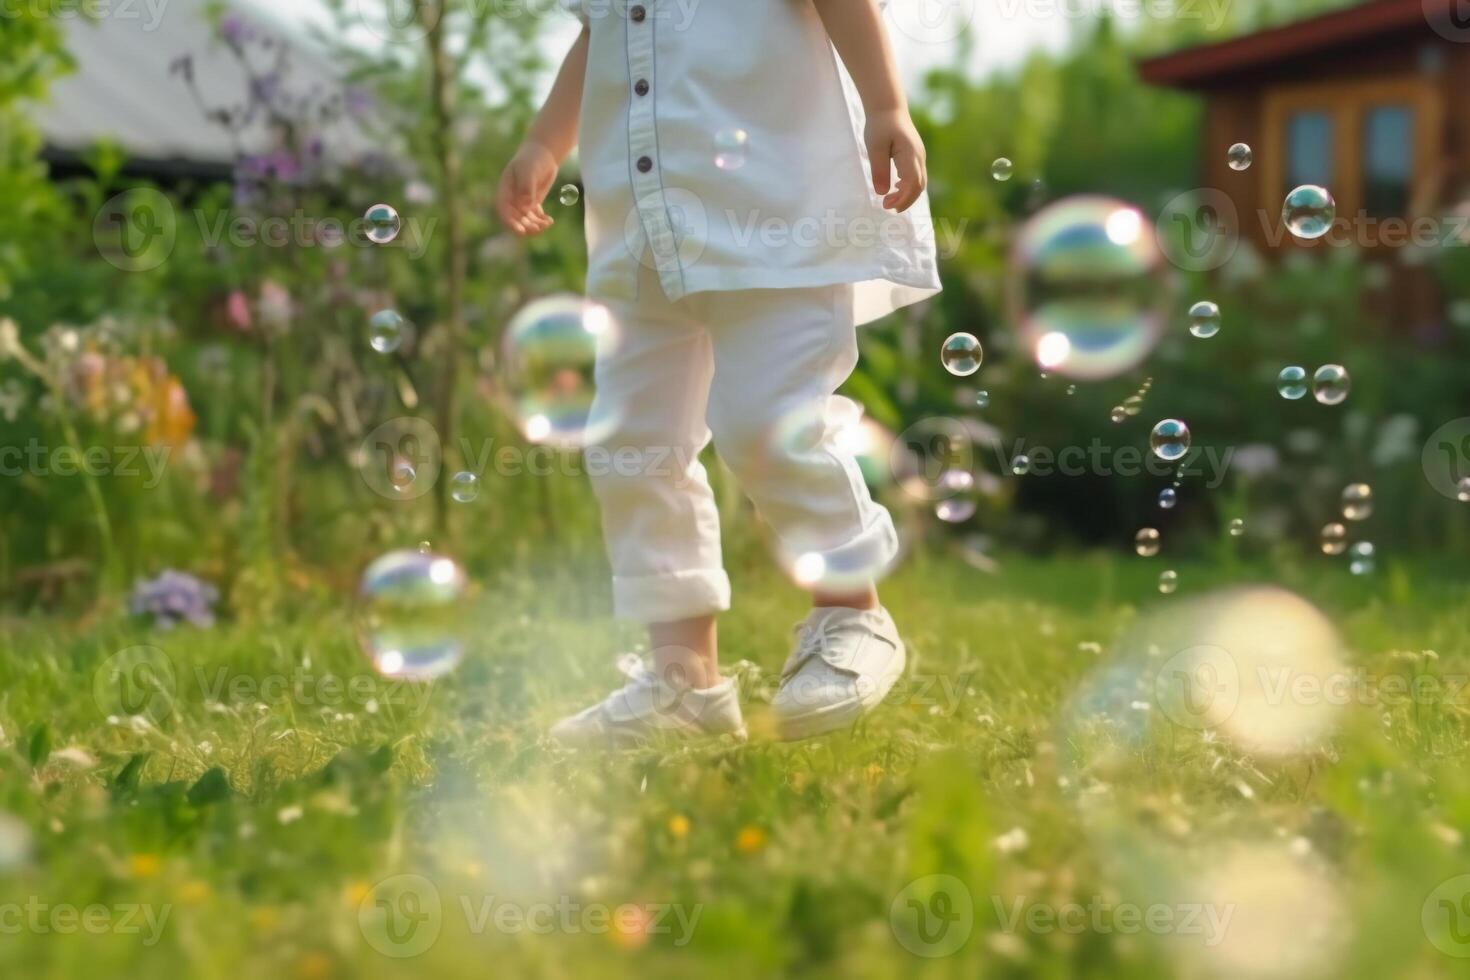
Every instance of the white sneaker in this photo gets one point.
(648, 707)
(845, 663)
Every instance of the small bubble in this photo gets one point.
(1021, 465)
(1168, 497)
(1357, 501)
(466, 487)
(962, 354)
(731, 147)
(1237, 527)
(1331, 384)
(383, 224)
(982, 399)
(1292, 383)
(1462, 490)
(1239, 156)
(1146, 542)
(1170, 439)
(1168, 582)
(1334, 539)
(570, 195)
(386, 331)
(1118, 414)
(1362, 558)
(1071, 389)
(1309, 211)
(1204, 319)
(1002, 169)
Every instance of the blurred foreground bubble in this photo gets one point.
(549, 356)
(1088, 287)
(411, 615)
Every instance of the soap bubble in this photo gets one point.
(1168, 497)
(1146, 542)
(1087, 287)
(386, 331)
(1357, 501)
(960, 505)
(1462, 491)
(982, 399)
(1237, 527)
(1309, 211)
(549, 356)
(1204, 319)
(961, 354)
(466, 487)
(1361, 558)
(1118, 414)
(1292, 383)
(1331, 384)
(1334, 539)
(383, 224)
(1168, 582)
(570, 195)
(731, 147)
(411, 615)
(1021, 465)
(1170, 440)
(1239, 156)
(1002, 169)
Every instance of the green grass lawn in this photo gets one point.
(251, 822)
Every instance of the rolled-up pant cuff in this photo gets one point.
(862, 561)
(672, 596)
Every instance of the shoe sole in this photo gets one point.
(844, 714)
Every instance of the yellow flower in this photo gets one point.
(750, 840)
(314, 966)
(193, 892)
(356, 893)
(679, 826)
(144, 865)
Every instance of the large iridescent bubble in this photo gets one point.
(411, 615)
(550, 355)
(1088, 287)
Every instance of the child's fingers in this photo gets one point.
(912, 180)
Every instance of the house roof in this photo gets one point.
(123, 89)
(1211, 64)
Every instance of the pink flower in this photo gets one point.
(275, 303)
(237, 310)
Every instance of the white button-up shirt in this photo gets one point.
(722, 147)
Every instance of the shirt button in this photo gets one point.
(645, 164)
(638, 13)
(641, 87)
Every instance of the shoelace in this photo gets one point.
(812, 640)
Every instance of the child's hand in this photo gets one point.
(524, 185)
(893, 141)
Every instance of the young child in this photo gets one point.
(743, 217)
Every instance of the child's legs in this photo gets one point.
(659, 520)
(779, 356)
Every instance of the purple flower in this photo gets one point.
(174, 597)
(236, 30)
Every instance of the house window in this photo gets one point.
(1309, 141)
(1388, 160)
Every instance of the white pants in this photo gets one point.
(755, 369)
